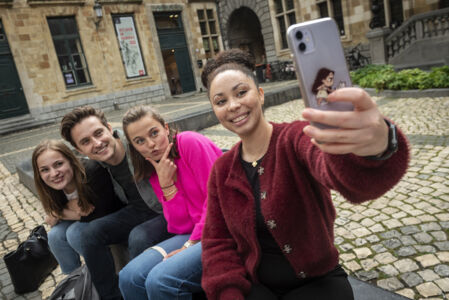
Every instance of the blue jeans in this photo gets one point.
(91, 240)
(66, 256)
(149, 277)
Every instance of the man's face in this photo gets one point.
(95, 140)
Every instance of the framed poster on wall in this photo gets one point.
(129, 45)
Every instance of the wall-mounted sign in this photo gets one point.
(129, 46)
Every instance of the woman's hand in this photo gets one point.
(362, 132)
(90, 209)
(180, 249)
(51, 220)
(165, 168)
(174, 252)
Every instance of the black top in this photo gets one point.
(101, 191)
(122, 174)
(274, 269)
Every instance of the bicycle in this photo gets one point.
(356, 59)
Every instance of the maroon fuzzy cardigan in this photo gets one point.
(295, 185)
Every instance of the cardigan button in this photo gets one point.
(260, 171)
(302, 275)
(287, 249)
(263, 195)
(271, 224)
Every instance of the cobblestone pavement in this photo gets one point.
(399, 241)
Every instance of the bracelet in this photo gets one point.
(171, 192)
(168, 186)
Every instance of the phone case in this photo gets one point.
(320, 63)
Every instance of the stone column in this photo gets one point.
(377, 45)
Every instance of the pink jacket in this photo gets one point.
(186, 212)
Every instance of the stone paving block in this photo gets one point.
(367, 275)
(443, 246)
(411, 279)
(347, 257)
(429, 289)
(385, 258)
(376, 228)
(361, 232)
(439, 235)
(426, 218)
(442, 270)
(390, 284)
(368, 264)
(422, 237)
(389, 270)
(406, 265)
(428, 275)
(352, 266)
(407, 240)
(392, 243)
(443, 217)
(406, 251)
(362, 252)
(409, 293)
(443, 284)
(411, 221)
(443, 256)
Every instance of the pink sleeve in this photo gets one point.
(200, 154)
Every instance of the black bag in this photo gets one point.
(31, 263)
(76, 286)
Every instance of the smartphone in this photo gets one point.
(320, 63)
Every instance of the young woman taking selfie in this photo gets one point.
(269, 231)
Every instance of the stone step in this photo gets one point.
(10, 125)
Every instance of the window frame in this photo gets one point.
(283, 15)
(331, 13)
(208, 35)
(65, 37)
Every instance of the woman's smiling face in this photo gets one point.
(236, 101)
(56, 171)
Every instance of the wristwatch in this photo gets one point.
(392, 143)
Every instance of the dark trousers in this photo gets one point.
(334, 285)
(95, 236)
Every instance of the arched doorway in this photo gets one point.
(244, 32)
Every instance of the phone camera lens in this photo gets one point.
(302, 46)
(299, 35)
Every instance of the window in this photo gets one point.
(390, 13)
(129, 45)
(69, 50)
(209, 32)
(336, 12)
(285, 16)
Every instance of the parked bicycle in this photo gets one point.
(287, 71)
(356, 59)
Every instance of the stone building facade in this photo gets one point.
(64, 55)
(59, 54)
(274, 16)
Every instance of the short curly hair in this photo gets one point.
(233, 59)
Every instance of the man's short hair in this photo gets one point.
(76, 116)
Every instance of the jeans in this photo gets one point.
(91, 240)
(66, 256)
(149, 277)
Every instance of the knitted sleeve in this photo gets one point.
(358, 179)
(224, 276)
